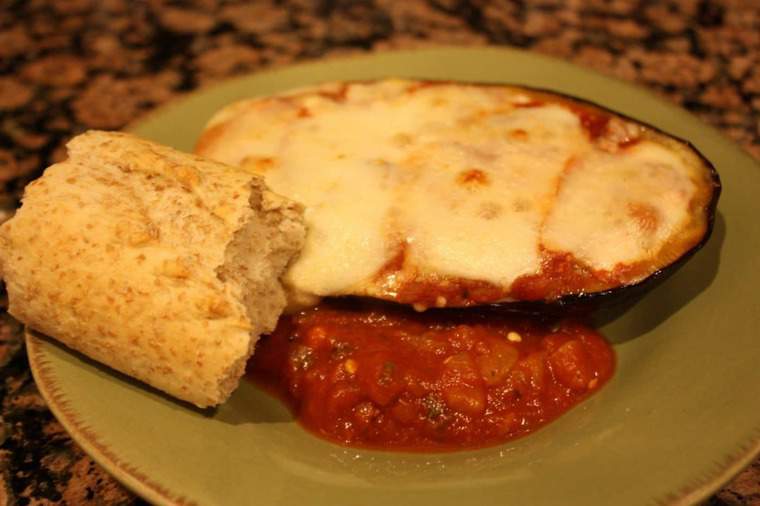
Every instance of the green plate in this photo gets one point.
(679, 418)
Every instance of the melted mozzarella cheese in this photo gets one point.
(448, 182)
(486, 228)
(616, 209)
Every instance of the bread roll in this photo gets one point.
(162, 265)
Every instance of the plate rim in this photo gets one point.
(142, 485)
(56, 400)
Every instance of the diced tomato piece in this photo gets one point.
(466, 399)
(570, 364)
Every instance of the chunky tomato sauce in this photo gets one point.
(383, 377)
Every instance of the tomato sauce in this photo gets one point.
(380, 376)
(560, 274)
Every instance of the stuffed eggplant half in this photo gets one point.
(442, 194)
(481, 201)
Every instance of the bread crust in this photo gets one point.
(117, 251)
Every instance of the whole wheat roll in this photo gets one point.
(160, 264)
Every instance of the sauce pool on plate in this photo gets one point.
(385, 377)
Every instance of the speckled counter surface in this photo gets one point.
(70, 65)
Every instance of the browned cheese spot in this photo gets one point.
(646, 216)
(473, 177)
(518, 134)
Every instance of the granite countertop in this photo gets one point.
(70, 65)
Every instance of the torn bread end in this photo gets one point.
(160, 264)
